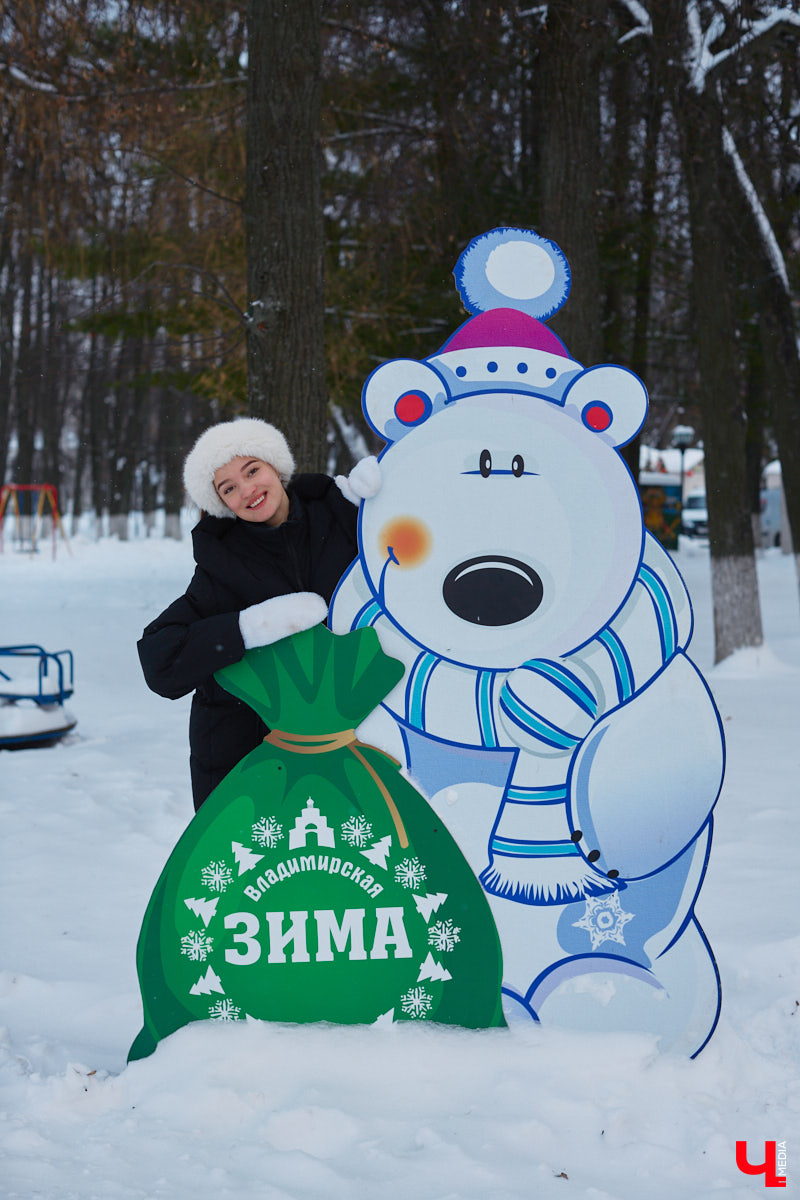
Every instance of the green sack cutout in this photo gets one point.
(315, 883)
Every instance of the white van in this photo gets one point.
(694, 517)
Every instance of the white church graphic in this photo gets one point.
(311, 818)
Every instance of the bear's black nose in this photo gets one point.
(492, 590)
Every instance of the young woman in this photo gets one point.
(270, 550)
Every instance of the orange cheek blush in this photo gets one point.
(409, 540)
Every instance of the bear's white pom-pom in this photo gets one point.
(513, 268)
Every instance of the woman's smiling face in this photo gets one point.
(252, 490)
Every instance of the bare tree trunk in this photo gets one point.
(755, 414)
(117, 449)
(54, 374)
(645, 249)
(568, 132)
(7, 272)
(284, 225)
(80, 457)
(25, 390)
(737, 614)
(782, 365)
(615, 214)
(8, 240)
(776, 358)
(171, 457)
(128, 416)
(97, 386)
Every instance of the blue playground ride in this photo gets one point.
(33, 687)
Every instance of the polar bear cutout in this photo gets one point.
(548, 707)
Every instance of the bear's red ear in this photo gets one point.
(608, 400)
(400, 395)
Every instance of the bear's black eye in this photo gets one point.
(486, 464)
(518, 465)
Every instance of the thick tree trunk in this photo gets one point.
(80, 458)
(568, 133)
(96, 385)
(6, 350)
(172, 460)
(782, 366)
(645, 250)
(615, 215)
(122, 449)
(26, 392)
(775, 359)
(54, 372)
(755, 414)
(737, 615)
(284, 226)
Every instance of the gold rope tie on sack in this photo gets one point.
(310, 743)
(324, 743)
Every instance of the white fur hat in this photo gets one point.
(230, 439)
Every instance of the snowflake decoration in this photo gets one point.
(224, 1010)
(196, 946)
(444, 935)
(267, 832)
(604, 920)
(410, 872)
(416, 1002)
(217, 876)
(357, 831)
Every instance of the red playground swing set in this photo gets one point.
(47, 494)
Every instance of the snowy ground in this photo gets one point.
(312, 1113)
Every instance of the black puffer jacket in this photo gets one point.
(240, 563)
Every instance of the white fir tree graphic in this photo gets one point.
(416, 1002)
(357, 831)
(444, 935)
(431, 969)
(245, 858)
(224, 1010)
(208, 983)
(410, 873)
(385, 1019)
(216, 876)
(205, 909)
(379, 852)
(430, 903)
(196, 946)
(267, 832)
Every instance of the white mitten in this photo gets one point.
(268, 622)
(363, 482)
